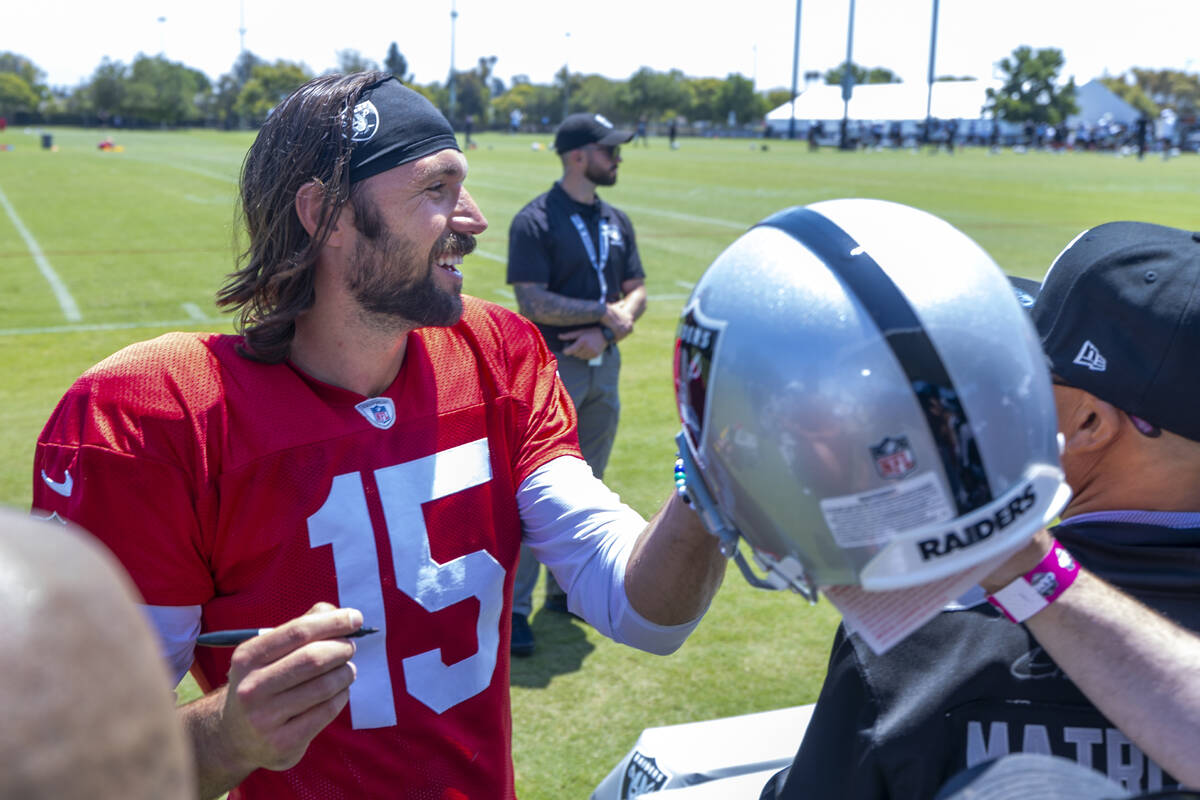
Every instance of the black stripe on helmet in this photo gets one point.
(906, 335)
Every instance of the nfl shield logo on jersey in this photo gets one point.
(893, 457)
(379, 411)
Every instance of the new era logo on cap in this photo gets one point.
(1139, 283)
(1089, 356)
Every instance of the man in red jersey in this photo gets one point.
(371, 450)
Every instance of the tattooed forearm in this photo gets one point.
(539, 304)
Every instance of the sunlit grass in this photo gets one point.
(143, 237)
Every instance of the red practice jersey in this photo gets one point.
(255, 491)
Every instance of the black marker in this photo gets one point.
(235, 637)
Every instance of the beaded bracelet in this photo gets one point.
(681, 480)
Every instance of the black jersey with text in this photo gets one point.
(971, 686)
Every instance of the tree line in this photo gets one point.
(154, 91)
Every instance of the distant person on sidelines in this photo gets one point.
(372, 439)
(1126, 396)
(640, 134)
(1142, 135)
(87, 707)
(1165, 128)
(574, 266)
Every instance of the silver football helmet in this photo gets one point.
(864, 400)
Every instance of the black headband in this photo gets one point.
(393, 125)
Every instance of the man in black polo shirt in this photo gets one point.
(575, 269)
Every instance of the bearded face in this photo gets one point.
(601, 167)
(395, 280)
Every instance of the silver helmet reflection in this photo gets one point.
(864, 400)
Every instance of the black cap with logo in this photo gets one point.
(1119, 317)
(580, 130)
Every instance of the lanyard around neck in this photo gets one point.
(597, 262)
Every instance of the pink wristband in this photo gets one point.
(1039, 587)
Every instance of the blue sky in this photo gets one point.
(68, 38)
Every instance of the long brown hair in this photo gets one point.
(306, 138)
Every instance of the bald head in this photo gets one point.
(87, 704)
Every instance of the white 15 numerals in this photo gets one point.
(344, 523)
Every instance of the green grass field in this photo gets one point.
(141, 239)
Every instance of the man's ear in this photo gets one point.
(310, 205)
(1091, 424)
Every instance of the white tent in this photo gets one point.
(907, 102)
(886, 102)
(1096, 101)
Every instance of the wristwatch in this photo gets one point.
(608, 334)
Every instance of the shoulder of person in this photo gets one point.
(167, 385)
(618, 215)
(502, 342)
(532, 214)
(490, 322)
(175, 363)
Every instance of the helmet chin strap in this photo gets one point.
(695, 493)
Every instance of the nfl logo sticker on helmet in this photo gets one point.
(893, 457)
(695, 351)
(365, 122)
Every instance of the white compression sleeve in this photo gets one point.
(177, 628)
(584, 534)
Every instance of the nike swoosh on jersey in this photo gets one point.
(62, 487)
(1034, 665)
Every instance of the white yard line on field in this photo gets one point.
(489, 256)
(113, 326)
(679, 215)
(194, 311)
(659, 212)
(66, 302)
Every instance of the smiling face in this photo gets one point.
(414, 224)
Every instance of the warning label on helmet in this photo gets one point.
(874, 517)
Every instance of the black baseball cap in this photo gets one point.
(1026, 290)
(392, 125)
(580, 130)
(1119, 317)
